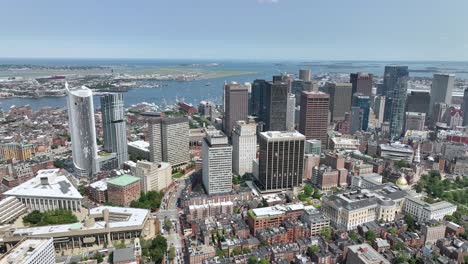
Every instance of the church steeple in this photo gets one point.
(417, 155)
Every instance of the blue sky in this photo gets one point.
(236, 29)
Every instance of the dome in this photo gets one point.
(402, 181)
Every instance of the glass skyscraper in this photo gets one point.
(394, 88)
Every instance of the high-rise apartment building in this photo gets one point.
(313, 123)
(441, 89)
(276, 106)
(217, 162)
(169, 140)
(83, 130)
(154, 176)
(114, 126)
(363, 102)
(395, 88)
(361, 83)
(465, 107)
(244, 147)
(281, 160)
(236, 105)
(415, 121)
(340, 100)
(304, 74)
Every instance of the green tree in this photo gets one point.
(326, 232)
(219, 253)
(398, 246)
(167, 224)
(353, 236)
(313, 249)
(316, 193)
(264, 261)
(402, 164)
(308, 190)
(410, 222)
(253, 260)
(33, 218)
(371, 236)
(393, 231)
(172, 253)
(98, 257)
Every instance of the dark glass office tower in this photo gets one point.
(395, 88)
(363, 102)
(276, 106)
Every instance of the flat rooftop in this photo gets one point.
(282, 135)
(24, 250)
(276, 210)
(47, 183)
(123, 180)
(139, 144)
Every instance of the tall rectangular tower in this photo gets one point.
(276, 106)
(281, 160)
(244, 147)
(313, 123)
(363, 102)
(361, 83)
(114, 126)
(217, 162)
(395, 88)
(340, 100)
(236, 105)
(441, 89)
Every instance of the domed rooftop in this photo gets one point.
(402, 181)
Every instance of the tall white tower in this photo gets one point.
(82, 129)
(244, 147)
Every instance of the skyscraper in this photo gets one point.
(395, 88)
(169, 140)
(304, 74)
(236, 105)
(465, 107)
(83, 130)
(217, 162)
(441, 89)
(281, 160)
(418, 102)
(258, 98)
(363, 102)
(244, 147)
(313, 123)
(291, 112)
(276, 106)
(379, 109)
(361, 83)
(114, 126)
(340, 100)
(414, 121)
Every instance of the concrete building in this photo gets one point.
(314, 119)
(291, 112)
(217, 162)
(16, 151)
(313, 146)
(415, 121)
(11, 209)
(281, 160)
(114, 126)
(31, 251)
(441, 89)
(123, 189)
(310, 162)
(315, 220)
(433, 232)
(305, 74)
(424, 212)
(340, 100)
(236, 105)
(47, 191)
(395, 91)
(98, 191)
(465, 107)
(364, 254)
(396, 152)
(339, 143)
(418, 102)
(244, 147)
(83, 130)
(169, 140)
(139, 148)
(154, 176)
(327, 179)
(276, 102)
(379, 109)
(361, 83)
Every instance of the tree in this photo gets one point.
(410, 222)
(253, 260)
(370, 235)
(392, 231)
(111, 257)
(398, 246)
(33, 218)
(120, 244)
(219, 253)
(59, 164)
(264, 261)
(172, 253)
(402, 164)
(98, 257)
(316, 193)
(167, 224)
(326, 232)
(353, 236)
(313, 249)
(54, 146)
(308, 190)
(82, 189)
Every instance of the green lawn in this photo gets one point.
(177, 175)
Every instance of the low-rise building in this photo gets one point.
(396, 151)
(315, 220)
(433, 232)
(98, 191)
(364, 254)
(139, 148)
(265, 217)
(424, 212)
(344, 143)
(154, 176)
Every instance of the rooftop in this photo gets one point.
(23, 251)
(139, 144)
(282, 135)
(367, 254)
(123, 180)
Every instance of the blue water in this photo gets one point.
(195, 91)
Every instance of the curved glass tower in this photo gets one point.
(82, 129)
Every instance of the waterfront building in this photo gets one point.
(123, 189)
(314, 119)
(236, 105)
(244, 147)
(31, 251)
(114, 126)
(154, 176)
(47, 191)
(441, 89)
(169, 140)
(415, 121)
(395, 91)
(340, 100)
(361, 83)
(281, 160)
(217, 162)
(83, 130)
(424, 212)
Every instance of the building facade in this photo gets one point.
(395, 90)
(361, 83)
(217, 162)
(340, 100)
(276, 106)
(441, 89)
(314, 118)
(16, 151)
(423, 211)
(31, 251)
(244, 147)
(154, 176)
(363, 102)
(123, 189)
(236, 105)
(465, 107)
(415, 121)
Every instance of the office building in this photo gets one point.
(395, 89)
(440, 113)
(361, 83)
(315, 220)
(355, 119)
(281, 160)
(31, 251)
(418, 102)
(169, 140)
(83, 130)
(139, 148)
(47, 191)
(98, 191)
(423, 211)
(11, 209)
(396, 151)
(364, 254)
(313, 123)
(340, 100)
(244, 147)
(154, 176)
(217, 162)
(415, 121)
(16, 151)
(114, 126)
(363, 102)
(465, 107)
(276, 103)
(236, 105)
(379, 109)
(305, 74)
(441, 89)
(291, 112)
(258, 99)
(313, 146)
(123, 189)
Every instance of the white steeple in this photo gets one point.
(417, 155)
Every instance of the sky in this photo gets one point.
(236, 29)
